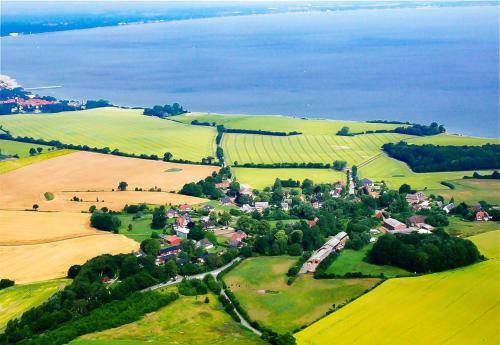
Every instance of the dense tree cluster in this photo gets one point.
(495, 175)
(165, 110)
(103, 220)
(206, 187)
(424, 253)
(5, 283)
(222, 129)
(432, 158)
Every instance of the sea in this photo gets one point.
(408, 64)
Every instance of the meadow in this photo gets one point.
(15, 300)
(452, 139)
(9, 147)
(351, 261)
(124, 129)
(260, 178)
(417, 310)
(463, 228)
(187, 321)
(260, 286)
(472, 190)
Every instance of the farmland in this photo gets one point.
(260, 178)
(260, 286)
(92, 177)
(10, 165)
(450, 139)
(462, 228)
(9, 147)
(471, 191)
(38, 262)
(351, 261)
(467, 294)
(252, 148)
(188, 320)
(17, 299)
(124, 129)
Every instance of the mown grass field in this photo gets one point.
(260, 286)
(11, 165)
(187, 321)
(123, 129)
(395, 173)
(305, 148)
(15, 300)
(141, 227)
(471, 191)
(9, 147)
(350, 261)
(462, 228)
(260, 178)
(284, 123)
(451, 139)
(454, 307)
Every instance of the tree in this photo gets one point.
(404, 189)
(167, 156)
(122, 186)
(32, 151)
(339, 165)
(170, 268)
(5, 283)
(35, 207)
(129, 228)
(344, 131)
(225, 218)
(105, 221)
(150, 246)
(92, 208)
(159, 218)
(354, 171)
(39, 149)
(73, 271)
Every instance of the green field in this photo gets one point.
(471, 191)
(305, 148)
(9, 147)
(187, 321)
(350, 261)
(260, 286)
(123, 129)
(450, 139)
(280, 123)
(19, 163)
(462, 228)
(395, 173)
(260, 178)
(16, 299)
(454, 307)
(141, 227)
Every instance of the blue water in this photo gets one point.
(420, 65)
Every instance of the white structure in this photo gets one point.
(261, 205)
(333, 244)
(182, 232)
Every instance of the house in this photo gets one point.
(237, 239)
(261, 205)
(246, 208)
(288, 201)
(374, 232)
(285, 206)
(226, 201)
(392, 224)
(367, 183)
(313, 222)
(207, 223)
(185, 208)
(334, 244)
(448, 207)
(205, 244)
(316, 204)
(209, 208)
(182, 232)
(379, 215)
(415, 198)
(246, 191)
(171, 240)
(171, 214)
(181, 222)
(336, 192)
(223, 184)
(166, 254)
(483, 215)
(416, 220)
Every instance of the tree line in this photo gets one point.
(165, 110)
(221, 128)
(433, 158)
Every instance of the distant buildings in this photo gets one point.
(334, 244)
(392, 224)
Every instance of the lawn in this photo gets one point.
(350, 261)
(395, 173)
(19, 163)
(123, 129)
(260, 178)
(471, 191)
(462, 228)
(305, 148)
(10, 147)
(454, 307)
(141, 227)
(260, 286)
(187, 321)
(284, 123)
(15, 300)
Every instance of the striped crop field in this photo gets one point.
(124, 129)
(251, 148)
(460, 306)
(10, 148)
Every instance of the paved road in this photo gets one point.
(214, 273)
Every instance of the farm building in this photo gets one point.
(392, 224)
(170, 240)
(167, 253)
(333, 244)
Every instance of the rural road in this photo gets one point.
(214, 273)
